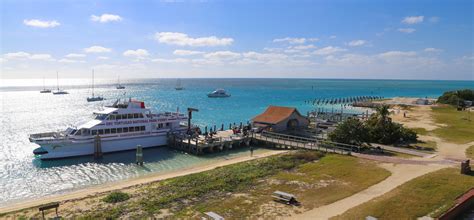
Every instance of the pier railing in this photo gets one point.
(305, 142)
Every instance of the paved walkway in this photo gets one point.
(398, 160)
(403, 150)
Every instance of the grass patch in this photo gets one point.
(244, 190)
(431, 194)
(115, 197)
(420, 131)
(458, 128)
(470, 152)
(423, 146)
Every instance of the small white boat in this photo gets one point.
(119, 86)
(218, 93)
(45, 90)
(58, 91)
(94, 98)
(178, 85)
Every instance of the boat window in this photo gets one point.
(141, 115)
(167, 124)
(142, 128)
(160, 125)
(119, 130)
(131, 129)
(100, 131)
(137, 128)
(101, 116)
(79, 132)
(107, 131)
(111, 117)
(125, 130)
(113, 130)
(94, 132)
(135, 115)
(130, 116)
(85, 131)
(119, 117)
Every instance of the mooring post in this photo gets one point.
(215, 128)
(97, 147)
(139, 155)
(222, 127)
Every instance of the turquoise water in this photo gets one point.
(24, 110)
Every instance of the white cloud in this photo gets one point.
(222, 55)
(139, 53)
(433, 50)
(182, 39)
(17, 55)
(407, 30)
(97, 49)
(328, 50)
(75, 55)
(70, 61)
(103, 58)
(303, 47)
(177, 60)
(390, 54)
(356, 43)
(186, 52)
(332, 37)
(413, 19)
(105, 18)
(291, 40)
(41, 24)
(313, 39)
(41, 57)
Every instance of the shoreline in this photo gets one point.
(133, 182)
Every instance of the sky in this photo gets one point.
(365, 39)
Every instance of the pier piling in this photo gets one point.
(97, 147)
(139, 155)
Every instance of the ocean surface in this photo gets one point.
(23, 110)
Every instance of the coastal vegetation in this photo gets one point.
(242, 190)
(379, 128)
(455, 97)
(431, 194)
(457, 125)
(115, 197)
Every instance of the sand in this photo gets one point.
(132, 183)
(401, 173)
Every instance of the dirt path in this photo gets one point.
(401, 173)
(130, 183)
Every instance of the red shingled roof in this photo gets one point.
(274, 114)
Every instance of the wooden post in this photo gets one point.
(139, 155)
(97, 147)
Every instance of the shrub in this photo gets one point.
(351, 131)
(454, 97)
(115, 197)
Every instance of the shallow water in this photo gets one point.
(24, 111)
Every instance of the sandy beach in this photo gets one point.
(129, 184)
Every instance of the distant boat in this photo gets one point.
(119, 86)
(94, 98)
(44, 89)
(218, 93)
(58, 91)
(178, 85)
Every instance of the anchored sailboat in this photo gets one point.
(94, 98)
(44, 89)
(119, 86)
(58, 91)
(178, 85)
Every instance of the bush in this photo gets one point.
(116, 197)
(454, 97)
(351, 131)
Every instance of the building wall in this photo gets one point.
(282, 126)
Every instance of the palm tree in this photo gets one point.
(382, 114)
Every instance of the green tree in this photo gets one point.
(351, 131)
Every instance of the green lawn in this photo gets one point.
(430, 194)
(420, 131)
(239, 191)
(470, 152)
(459, 129)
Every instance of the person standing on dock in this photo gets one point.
(251, 151)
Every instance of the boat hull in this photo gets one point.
(82, 148)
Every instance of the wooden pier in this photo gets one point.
(199, 144)
(291, 141)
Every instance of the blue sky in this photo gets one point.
(314, 39)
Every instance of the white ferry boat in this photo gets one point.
(122, 126)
